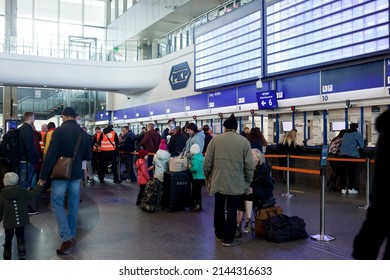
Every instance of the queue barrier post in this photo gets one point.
(323, 162)
(288, 194)
(367, 185)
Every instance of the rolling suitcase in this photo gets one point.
(177, 190)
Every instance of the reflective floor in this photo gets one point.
(112, 227)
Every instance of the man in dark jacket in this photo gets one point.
(150, 142)
(127, 146)
(28, 156)
(63, 143)
(376, 228)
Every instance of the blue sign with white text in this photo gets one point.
(267, 99)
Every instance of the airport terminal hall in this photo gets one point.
(194, 130)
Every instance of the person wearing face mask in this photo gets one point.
(168, 130)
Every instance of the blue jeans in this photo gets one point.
(26, 171)
(67, 222)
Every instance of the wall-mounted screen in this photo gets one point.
(228, 49)
(287, 126)
(300, 34)
(337, 125)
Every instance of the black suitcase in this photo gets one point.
(177, 190)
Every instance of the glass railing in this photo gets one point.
(87, 48)
(39, 105)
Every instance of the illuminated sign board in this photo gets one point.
(311, 32)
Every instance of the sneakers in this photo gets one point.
(238, 232)
(32, 211)
(101, 181)
(248, 226)
(349, 191)
(231, 244)
(21, 248)
(218, 239)
(66, 245)
(196, 208)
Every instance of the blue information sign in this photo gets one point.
(267, 99)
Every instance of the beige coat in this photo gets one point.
(228, 164)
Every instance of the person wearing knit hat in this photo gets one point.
(228, 167)
(231, 122)
(196, 168)
(143, 173)
(163, 145)
(142, 153)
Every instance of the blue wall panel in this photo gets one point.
(157, 108)
(197, 102)
(118, 114)
(129, 113)
(363, 76)
(175, 105)
(223, 98)
(300, 86)
(142, 111)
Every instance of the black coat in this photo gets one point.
(63, 142)
(127, 144)
(26, 144)
(376, 228)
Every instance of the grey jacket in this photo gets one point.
(228, 164)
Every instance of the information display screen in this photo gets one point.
(228, 52)
(304, 33)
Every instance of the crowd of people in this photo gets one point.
(227, 164)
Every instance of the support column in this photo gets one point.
(10, 32)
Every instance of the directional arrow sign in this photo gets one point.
(266, 99)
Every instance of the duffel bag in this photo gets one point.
(263, 214)
(282, 228)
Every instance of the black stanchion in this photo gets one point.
(364, 207)
(323, 161)
(288, 194)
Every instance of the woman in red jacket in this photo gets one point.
(143, 174)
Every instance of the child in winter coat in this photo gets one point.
(14, 212)
(143, 174)
(196, 168)
(161, 161)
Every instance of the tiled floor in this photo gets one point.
(111, 227)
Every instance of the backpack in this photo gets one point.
(9, 148)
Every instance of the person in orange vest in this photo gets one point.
(43, 133)
(108, 141)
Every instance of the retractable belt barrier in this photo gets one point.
(322, 236)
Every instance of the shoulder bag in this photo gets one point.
(63, 167)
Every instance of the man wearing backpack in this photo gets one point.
(27, 154)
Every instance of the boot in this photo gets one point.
(7, 252)
(21, 248)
